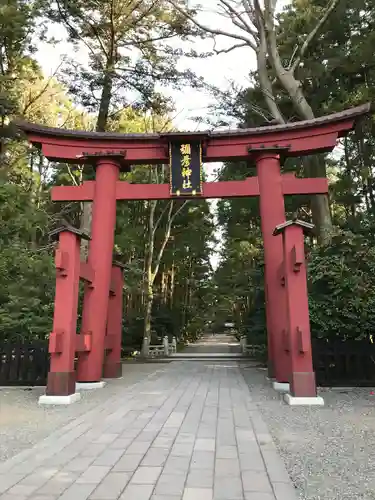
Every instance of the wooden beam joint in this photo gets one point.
(301, 342)
(87, 273)
(61, 262)
(83, 342)
(298, 258)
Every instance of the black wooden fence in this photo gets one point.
(24, 363)
(349, 363)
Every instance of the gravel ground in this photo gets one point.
(23, 423)
(329, 451)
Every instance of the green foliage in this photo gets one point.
(341, 287)
(26, 269)
(129, 55)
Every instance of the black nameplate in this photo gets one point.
(186, 168)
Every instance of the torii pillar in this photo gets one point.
(96, 299)
(272, 213)
(296, 342)
(61, 382)
(112, 362)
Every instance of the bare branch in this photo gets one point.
(233, 47)
(71, 175)
(161, 216)
(261, 112)
(292, 57)
(311, 36)
(212, 31)
(241, 23)
(179, 210)
(167, 234)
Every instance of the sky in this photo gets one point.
(219, 70)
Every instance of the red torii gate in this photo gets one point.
(113, 152)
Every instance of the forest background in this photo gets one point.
(307, 59)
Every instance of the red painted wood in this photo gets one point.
(298, 257)
(317, 136)
(61, 262)
(108, 342)
(301, 142)
(127, 191)
(85, 192)
(136, 153)
(62, 340)
(95, 306)
(56, 343)
(313, 185)
(302, 376)
(272, 212)
(112, 362)
(87, 273)
(280, 274)
(303, 346)
(83, 342)
(222, 189)
(285, 336)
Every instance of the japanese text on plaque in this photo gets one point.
(185, 166)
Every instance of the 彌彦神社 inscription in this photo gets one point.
(186, 168)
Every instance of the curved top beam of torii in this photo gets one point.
(292, 139)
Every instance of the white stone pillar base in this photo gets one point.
(59, 400)
(88, 386)
(281, 386)
(308, 401)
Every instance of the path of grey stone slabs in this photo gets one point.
(188, 432)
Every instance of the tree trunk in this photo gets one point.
(105, 100)
(148, 316)
(101, 125)
(172, 285)
(316, 168)
(352, 206)
(149, 275)
(264, 79)
(86, 218)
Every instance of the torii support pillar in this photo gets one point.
(272, 213)
(112, 361)
(61, 382)
(95, 305)
(297, 341)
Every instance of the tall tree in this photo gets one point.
(17, 30)
(254, 26)
(154, 256)
(128, 55)
(17, 27)
(338, 72)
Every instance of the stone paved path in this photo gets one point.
(212, 344)
(188, 432)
